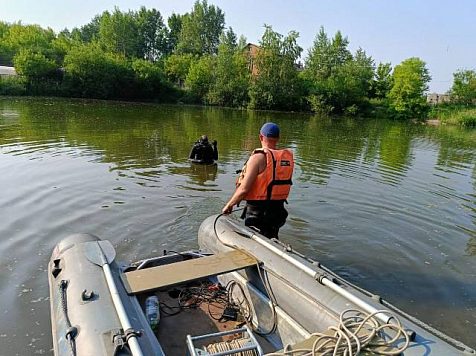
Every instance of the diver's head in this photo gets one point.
(203, 139)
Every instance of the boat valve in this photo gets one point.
(87, 295)
(71, 333)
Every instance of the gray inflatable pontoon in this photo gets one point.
(216, 301)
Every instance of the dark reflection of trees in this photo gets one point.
(147, 135)
(327, 145)
(137, 135)
(199, 174)
(395, 149)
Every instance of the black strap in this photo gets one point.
(283, 182)
(270, 186)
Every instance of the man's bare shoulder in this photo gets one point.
(258, 160)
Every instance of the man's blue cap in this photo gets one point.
(270, 129)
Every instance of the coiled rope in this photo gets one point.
(354, 334)
(234, 344)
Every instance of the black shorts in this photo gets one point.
(268, 216)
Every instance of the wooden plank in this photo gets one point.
(149, 279)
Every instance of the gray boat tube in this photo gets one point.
(322, 278)
(93, 301)
(307, 292)
(95, 252)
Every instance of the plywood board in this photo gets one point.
(158, 277)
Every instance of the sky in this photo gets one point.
(442, 33)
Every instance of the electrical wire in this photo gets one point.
(264, 280)
(193, 297)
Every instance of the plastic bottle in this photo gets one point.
(152, 312)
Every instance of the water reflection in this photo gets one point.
(201, 175)
(389, 205)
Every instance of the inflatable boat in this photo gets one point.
(240, 294)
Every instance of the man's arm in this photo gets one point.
(252, 171)
(193, 152)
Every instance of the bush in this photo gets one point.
(12, 85)
(454, 114)
(410, 81)
(467, 118)
(92, 73)
(149, 79)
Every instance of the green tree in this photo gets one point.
(31, 37)
(382, 83)
(90, 72)
(327, 54)
(177, 66)
(201, 29)
(152, 33)
(232, 77)
(199, 78)
(229, 37)
(6, 53)
(464, 87)
(175, 26)
(119, 33)
(410, 78)
(88, 32)
(149, 79)
(337, 81)
(61, 45)
(276, 86)
(35, 68)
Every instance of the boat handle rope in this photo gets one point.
(348, 340)
(71, 331)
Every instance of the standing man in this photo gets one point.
(203, 152)
(264, 183)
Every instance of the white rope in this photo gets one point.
(354, 334)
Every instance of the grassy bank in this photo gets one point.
(460, 115)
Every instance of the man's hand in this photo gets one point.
(227, 209)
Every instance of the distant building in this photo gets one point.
(251, 50)
(434, 98)
(299, 66)
(5, 71)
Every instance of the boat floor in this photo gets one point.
(172, 330)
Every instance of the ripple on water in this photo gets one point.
(389, 205)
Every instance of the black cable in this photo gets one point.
(265, 282)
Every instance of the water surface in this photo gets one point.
(389, 205)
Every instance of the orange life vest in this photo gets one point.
(274, 183)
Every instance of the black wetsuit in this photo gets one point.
(268, 216)
(204, 153)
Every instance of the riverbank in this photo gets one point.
(455, 115)
(438, 114)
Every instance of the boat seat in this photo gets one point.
(308, 343)
(153, 278)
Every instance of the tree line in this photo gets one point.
(195, 58)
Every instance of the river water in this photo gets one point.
(389, 205)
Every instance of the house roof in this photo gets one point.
(7, 70)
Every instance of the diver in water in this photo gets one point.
(203, 151)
